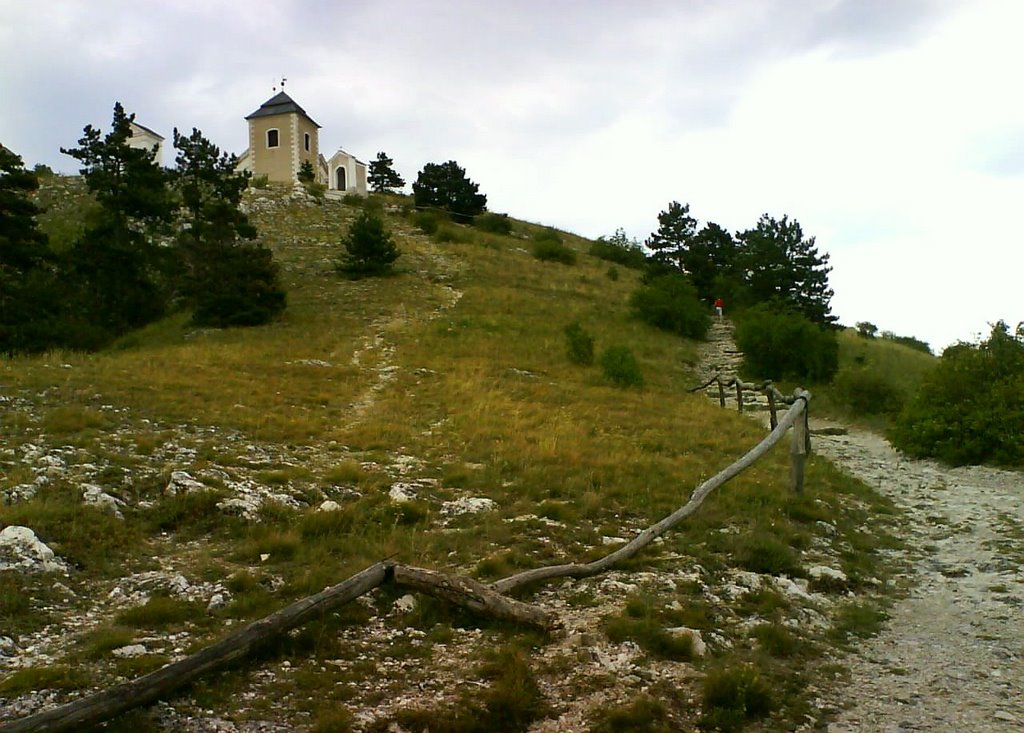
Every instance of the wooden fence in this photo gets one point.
(488, 600)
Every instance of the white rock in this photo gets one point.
(823, 571)
(329, 506)
(94, 495)
(20, 549)
(468, 505)
(217, 600)
(790, 587)
(606, 540)
(243, 507)
(129, 652)
(700, 648)
(405, 604)
(402, 492)
(182, 482)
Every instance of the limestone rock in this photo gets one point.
(468, 505)
(20, 549)
(94, 495)
(182, 482)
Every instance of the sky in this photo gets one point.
(892, 130)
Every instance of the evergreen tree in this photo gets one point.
(710, 260)
(384, 178)
(369, 249)
(117, 263)
(778, 264)
(229, 281)
(446, 186)
(306, 174)
(26, 262)
(676, 229)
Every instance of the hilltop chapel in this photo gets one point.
(282, 136)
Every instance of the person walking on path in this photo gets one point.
(719, 307)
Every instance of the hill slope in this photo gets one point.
(400, 400)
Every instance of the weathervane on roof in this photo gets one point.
(283, 80)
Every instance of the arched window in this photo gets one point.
(339, 176)
(273, 138)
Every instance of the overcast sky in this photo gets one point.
(892, 130)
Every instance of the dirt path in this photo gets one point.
(951, 657)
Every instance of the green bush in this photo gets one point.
(778, 343)
(493, 223)
(621, 368)
(970, 408)
(612, 273)
(868, 393)
(670, 302)
(626, 254)
(579, 345)
(764, 553)
(260, 182)
(451, 233)
(248, 289)
(369, 249)
(428, 221)
(734, 695)
(548, 247)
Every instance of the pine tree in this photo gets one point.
(26, 263)
(676, 229)
(369, 249)
(384, 178)
(446, 186)
(117, 263)
(778, 263)
(228, 281)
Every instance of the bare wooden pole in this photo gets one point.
(798, 450)
(770, 391)
(650, 534)
(721, 393)
(739, 395)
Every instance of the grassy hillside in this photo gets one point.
(447, 381)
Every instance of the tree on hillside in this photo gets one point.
(226, 278)
(384, 178)
(676, 229)
(970, 407)
(446, 186)
(710, 261)
(778, 264)
(118, 263)
(26, 262)
(369, 249)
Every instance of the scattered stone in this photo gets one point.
(217, 601)
(329, 506)
(405, 604)
(402, 492)
(183, 483)
(20, 549)
(94, 495)
(822, 572)
(468, 505)
(700, 648)
(130, 652)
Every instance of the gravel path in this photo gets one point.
(951, 657)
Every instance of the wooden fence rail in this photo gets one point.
(460, 590)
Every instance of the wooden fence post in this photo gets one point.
(770, 391)
(721, 392)
(739, 395)
(798, 452)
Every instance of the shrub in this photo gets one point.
(970, 408)
(369, 249)
(493, 223)
(868, 393)
(763, 553)
(306, 174)
(778, 343)
(866, 329)
(645, 714)
(579, 345)
(734, 695)
(612, 273)
(316, 190)
(548, 247)
(620, 250)
(621, 368)
(909, 341)
(451, 233)
(260, 182)
(670, 302)
(428, 221)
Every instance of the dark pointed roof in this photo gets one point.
(280, 104)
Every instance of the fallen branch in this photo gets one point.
(121, 698)
(656, 530)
